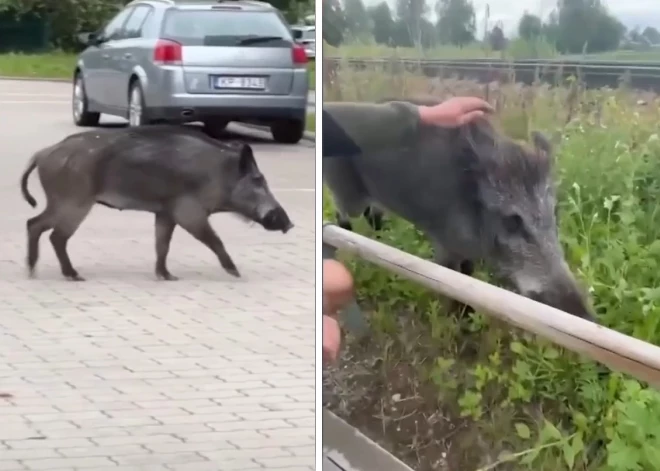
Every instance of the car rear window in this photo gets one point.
(224, 27)
(304, 34)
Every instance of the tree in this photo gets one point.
(333, 22)
(634, 35)
(496, 38)
(356, 19)
(586, 25)
(410, 14)
(607, 33)
(456, 21)
(296, 10)
(651, 34)
(551, 28)
(67, 18)
(530, 26)
(383, 25)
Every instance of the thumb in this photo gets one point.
(469, 117)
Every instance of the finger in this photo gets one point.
(469, 117)
(474, 103)
(331, 339)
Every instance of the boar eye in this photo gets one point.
(513, 224)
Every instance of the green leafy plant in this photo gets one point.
(539, 406)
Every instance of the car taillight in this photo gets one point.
(168, 52)
(299, 55)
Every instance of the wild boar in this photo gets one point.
(175, 172)
(477, 195)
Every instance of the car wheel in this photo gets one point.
(215, 127)
(80, 105)
(288, 131)
(137, 111)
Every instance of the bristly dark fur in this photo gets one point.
(488, 152)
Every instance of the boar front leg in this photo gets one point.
(164, 229)
(466, 267)
(191, 215)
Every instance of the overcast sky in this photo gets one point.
(630, 12)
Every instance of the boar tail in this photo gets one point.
(32, 164)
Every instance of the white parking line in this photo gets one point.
(51, 95)
(34, 102)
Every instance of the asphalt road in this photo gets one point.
(123, 372)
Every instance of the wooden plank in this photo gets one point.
(329, 465)
(618, 351)
(350, 450)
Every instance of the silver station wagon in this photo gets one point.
(194, 61)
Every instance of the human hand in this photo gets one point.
(337, 293)
(454, 112)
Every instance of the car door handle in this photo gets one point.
(128, 55)
(105, 56)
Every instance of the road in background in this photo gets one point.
(123, 372)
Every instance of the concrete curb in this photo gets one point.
(311, 101)
(348, 449)
(37, 79)
(309, 136)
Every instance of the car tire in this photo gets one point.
(138, 114)
(80, 104)
(288, 131)
(215, 127)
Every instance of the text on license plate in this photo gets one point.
(249, 83)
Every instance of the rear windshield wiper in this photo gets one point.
(259, 39)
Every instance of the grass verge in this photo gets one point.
(310, 125)
(475, 394)
(60, 65)
(57, 65)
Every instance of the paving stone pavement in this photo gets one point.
(123, 372)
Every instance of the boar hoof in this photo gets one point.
(74, 277)
(167, 277)
(233, 271)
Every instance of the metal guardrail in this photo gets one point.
(508, 62)
(615, 350)
(643, 75)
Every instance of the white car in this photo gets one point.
(306, 36)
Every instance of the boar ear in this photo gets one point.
(246, 162)
(542, 144)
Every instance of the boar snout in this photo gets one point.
(562, 292)
(277, 220)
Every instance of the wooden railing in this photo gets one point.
(618, 351)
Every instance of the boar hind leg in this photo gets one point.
(36, 226)
(190, 215)
(164, 229)
(66, 223)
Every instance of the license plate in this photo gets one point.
(241, 83)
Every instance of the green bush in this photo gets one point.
(533, 403)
